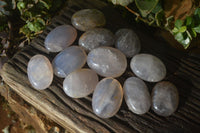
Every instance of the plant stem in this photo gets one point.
(136, 14)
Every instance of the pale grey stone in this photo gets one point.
(40, 72)
(136, 95)
(96, 37)
(148, 67)
(60, 38)
(80, 83)
(127, 41)
(165, 98)
(107, 98)
(87, 19)
(69, 60)
(107, 61)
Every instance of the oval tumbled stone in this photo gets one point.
(87, 19)
(127, 41)
(80, 83)
(60, 38)
(107, 98)
(136, 95)
(165, 98)
(96, 37)
(69, 60)
(40, 72)
(148, 67)
(107, 61)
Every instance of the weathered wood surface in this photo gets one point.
(76, 114)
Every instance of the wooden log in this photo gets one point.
(75, 115)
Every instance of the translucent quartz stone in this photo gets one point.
(107, 98)
(107, 61)
(136, 95)
(60, 38)
(148, 67)
(40, 72)
(87, 19)
(80, 83)
(69, 60)
(165, 98)
(128, 42)
(95, 38)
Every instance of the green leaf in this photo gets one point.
(197, 29)
(158, 8)
(146, 6)
(40, 20)
(20, 5)
(178, 23)
(45, 4)
(175, 30)
(197, 12)
(183, 29)
(183, 39)
(31, 26)
(193, 33)
(121, 2)
(188, 20)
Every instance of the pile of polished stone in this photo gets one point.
(107, 62)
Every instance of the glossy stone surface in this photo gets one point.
(80, 83)
(69, 60)
(136, 95)
(165, 98)
(40, 72)
(148, 67)
(128, 42)
(87, 19)
(107, 98)
(96, 37)
(107, 61)
(60, 38)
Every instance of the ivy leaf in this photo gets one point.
(146, 6)
(188, 20)
(121, 2)
(45, 4)
(178, 23)
(175, 30)
(183, 29)
(197, 29)
(193, 32)
(183, 39)
(197, 12)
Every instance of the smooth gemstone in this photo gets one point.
(128, 42)
(87, 19)
(96, 37)
(69, 60)
(40, 72)
(107, 98)
(136, 95)
(107, 61)
(80, 83)
(148, 67)
(60, 38)
(165, 98)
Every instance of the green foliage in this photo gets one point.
(185, 31)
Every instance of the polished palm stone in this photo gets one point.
(107, 61)
(128, 42)
(69, 60)
(40, 72)
(107, 98)
(96, 37)
(60, 38)
(136, 95)
(148, 67)
(165, 98)
(87, 19)
(80, 83)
